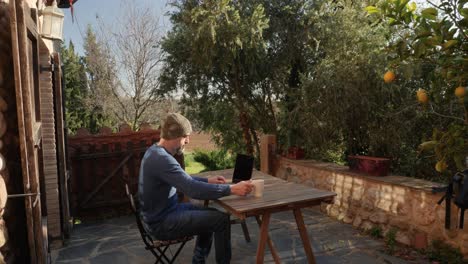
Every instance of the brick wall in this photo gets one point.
(49, 145)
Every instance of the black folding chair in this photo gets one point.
(157, 247)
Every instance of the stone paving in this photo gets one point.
(118, 241)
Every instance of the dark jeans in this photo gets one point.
(191, 220)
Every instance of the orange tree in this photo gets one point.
(432, 43)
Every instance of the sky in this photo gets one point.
(85, 12)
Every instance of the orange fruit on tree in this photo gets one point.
(389, 77)
(441, 166)
(422, 96)
(460, 91)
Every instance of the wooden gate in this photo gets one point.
(100, 164)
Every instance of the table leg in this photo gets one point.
(270, 242)
(245, 230)
(263, 238)
(304, 236)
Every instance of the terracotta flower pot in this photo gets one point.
(420, 240)
(369, 165)
(295, 153)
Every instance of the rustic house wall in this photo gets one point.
(402, 203)
(13, 236)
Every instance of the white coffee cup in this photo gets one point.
(259, 185)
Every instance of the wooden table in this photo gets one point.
(278, 196)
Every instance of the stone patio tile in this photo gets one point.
(139, 251)
(325, 259)
(72, 262)
(113, 257)
(112, 244)
(117, 241)
(78, 252)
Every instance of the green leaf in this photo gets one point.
(449, 43)
(412, 6)
(372, 10)
(403, 5)
(419, 49)
(238, 41)
(463, 22)
(408, 71)
(424, 34)
(429, 13)
(428, 145)
(464, 12)
(459, 159)
(393, 22)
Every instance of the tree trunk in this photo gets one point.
(244, 122)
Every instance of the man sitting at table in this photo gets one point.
(161, 176)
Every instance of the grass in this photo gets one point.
(191, 166)
(375, 232)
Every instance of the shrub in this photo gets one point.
(390, 239)
(375, 232)
(214, 160)
(444, 253)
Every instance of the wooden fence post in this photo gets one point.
(267, 153)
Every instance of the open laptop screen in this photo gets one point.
(243, 168)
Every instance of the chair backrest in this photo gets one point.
(147, 239)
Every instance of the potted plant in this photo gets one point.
(295, 152)
(375, 166)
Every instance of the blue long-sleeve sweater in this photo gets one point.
(160, 177)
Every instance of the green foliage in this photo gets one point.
(345, 107)
(75, 89)
(79, 113)
(214, 160)
(433, 40)
(217, 118)
(192, 166)
(390, 239)
(216, 54)
(449, 146)
(235, 59)
(444, 253)
(100, 81)
(309, 72)
(376, 232)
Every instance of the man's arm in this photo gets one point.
(174, 175)
(200, 178)
(213, 179)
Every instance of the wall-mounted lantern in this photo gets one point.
(52, 24)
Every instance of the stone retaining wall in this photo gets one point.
(389, 202)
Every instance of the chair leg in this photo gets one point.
(159, 255)
(177, 252)
(245, 230)
(163, 254)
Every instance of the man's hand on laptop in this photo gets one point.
(242, 188)
(217, 180)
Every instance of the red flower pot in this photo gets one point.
(295, 153)
(370, 165)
